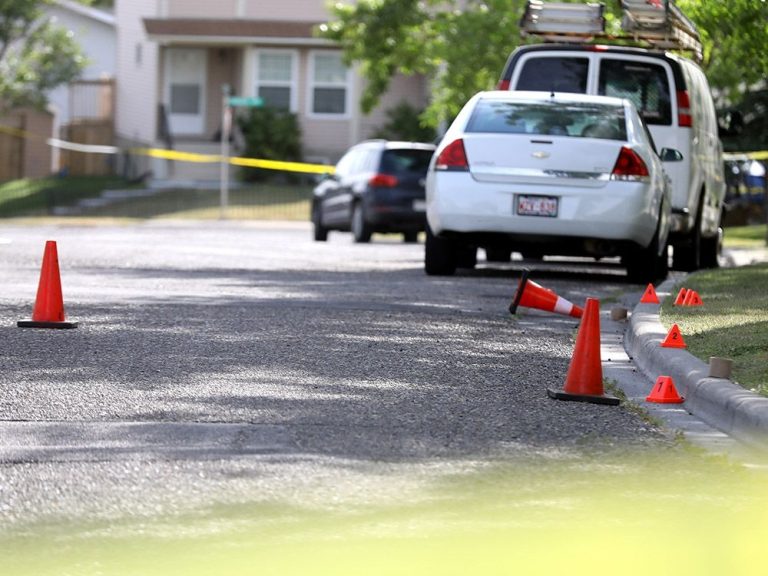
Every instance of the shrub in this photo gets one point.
(269, 134)
(404, 123)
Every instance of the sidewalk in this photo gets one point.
(721, 403)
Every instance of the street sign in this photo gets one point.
(245, 101)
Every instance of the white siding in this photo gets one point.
(299, 10)
(98, 42)
(201, 9)
(137, 72)
(412, 89)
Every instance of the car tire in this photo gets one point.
(493, 254)
(320, 232)
(686, 255)
(650, 264)
(410, 237)
(711, 249)
(466, 257)
(439, 256)
(361, 230)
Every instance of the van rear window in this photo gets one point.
(554, 74)
(643, 83)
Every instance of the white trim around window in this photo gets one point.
(330, 82)
(277, 70)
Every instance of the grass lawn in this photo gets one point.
(262, 201)
(745, 236)
(38, 197)
(732, 323)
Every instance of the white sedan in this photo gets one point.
(548, 174)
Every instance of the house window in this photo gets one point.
(276, 78)
(329, 84)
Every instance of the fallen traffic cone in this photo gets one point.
(584, 382)
(664, 392)
(680, 297)
(49, 304)
(674, 338)
(649, 296)
(692, 298)
(532, 295)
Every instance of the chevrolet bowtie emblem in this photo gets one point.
(540, 154)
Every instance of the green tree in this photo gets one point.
(35, 55)
(460, 50)
(462, 46)
(735, 37)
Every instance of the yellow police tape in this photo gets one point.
(247, 162)
(762, 155)
(236, 161)
(166, 154)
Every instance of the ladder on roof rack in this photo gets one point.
(657, 24)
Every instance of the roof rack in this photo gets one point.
(656, 24)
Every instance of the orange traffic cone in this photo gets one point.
(532, 295)
(680, 297)
(584, 382)
(49, 304)
(674, 338)
(692, 298)
(649, 296)
(664, 392)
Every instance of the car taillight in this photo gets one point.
(502, 85)
(453, 157)
(629, 166)
(383, 181)
(684, 117)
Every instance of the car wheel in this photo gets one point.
(711, 249)
(650, 264)
(320, 232)
(439, 255)
(686, 255)
(493, 254)
(410, 237)
(466, 257)
(361, 230)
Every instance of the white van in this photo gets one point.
(673, 96)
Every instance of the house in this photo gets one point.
(83, 110)
(80, 111)
(176, 58)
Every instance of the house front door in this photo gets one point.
(185, 90)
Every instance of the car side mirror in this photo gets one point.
(670, 155)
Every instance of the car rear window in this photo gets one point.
(644, 83)
(401, 161)
(556, 118)
(554, 74)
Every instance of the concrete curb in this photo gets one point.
(718, 402)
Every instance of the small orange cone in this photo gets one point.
(584, 382)
(674, 338)
(49, 304)
(532, 295)
(692, 298)
(649, 296)
(680, 297)
(664, 392)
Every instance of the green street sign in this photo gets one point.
(245, 101)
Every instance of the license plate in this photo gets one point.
(420, 205)
(537, 206)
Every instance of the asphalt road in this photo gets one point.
(230, 363)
